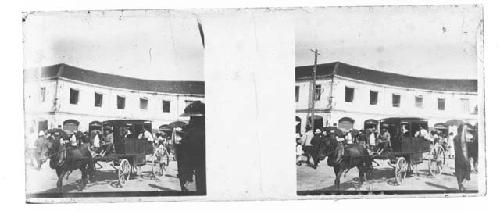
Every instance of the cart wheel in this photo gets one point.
(400, 170)
(124, 171)
(436, 164)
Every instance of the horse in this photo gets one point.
(342, 159)
(65, 158)
(463, 153)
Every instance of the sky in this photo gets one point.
(436, 42)
(160, 45)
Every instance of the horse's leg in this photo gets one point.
(60, 176)
(83, 181)
(68, 173)
(361, 174)
(338, 174)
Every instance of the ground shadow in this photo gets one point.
(439, 186)
(161, 188)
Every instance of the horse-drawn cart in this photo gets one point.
(406, 151)
(127, 154)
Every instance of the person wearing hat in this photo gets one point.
(191, 150)
(314, 150)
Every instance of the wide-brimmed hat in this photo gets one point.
(41, 133)
(196, 108)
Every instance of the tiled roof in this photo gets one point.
(116, 81)
(374, 76)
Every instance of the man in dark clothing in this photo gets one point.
(191, 150)
(316, 142)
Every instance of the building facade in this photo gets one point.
(69, 97)
(348, 96)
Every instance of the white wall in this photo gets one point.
(361, 110)
(85, 110)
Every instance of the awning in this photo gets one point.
(165, 127)
(441, 126)
(454, 122)
(348, 119)
(177, 124)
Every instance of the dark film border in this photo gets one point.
(399, 192)
(115, 194)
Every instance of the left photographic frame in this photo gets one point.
(114, 104)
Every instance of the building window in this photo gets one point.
(97, 100)
(166, 106)
(297, 89)
(349, 94)
(373, 97)
(143, 103)
(120, 102)
(317, 93)
(73, 96)
(441, 104)
(419, 101)
(396, 100)
(465, 105)
(42, 94)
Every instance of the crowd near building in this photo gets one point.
(70, 97)
(347, 96)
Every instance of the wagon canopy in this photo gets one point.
(370, 123)
(177, 123)
(337, 131)
(58, 133)
(165, 127)
(346, 123)
(95, 125)
(71, 125)
(441, 126)
(454, 122)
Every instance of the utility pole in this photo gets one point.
(315, 51)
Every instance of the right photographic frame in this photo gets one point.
(389, 100)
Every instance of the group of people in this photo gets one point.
(308, 143)
(99, 142)
(375, 142)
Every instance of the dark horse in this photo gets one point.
(342, 159)
(464, 151)
(65, 158)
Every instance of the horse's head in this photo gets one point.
(333, 149)
(56, 150)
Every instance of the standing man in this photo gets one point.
(191, 150)
(315, 142)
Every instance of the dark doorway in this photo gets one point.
(43, 125)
